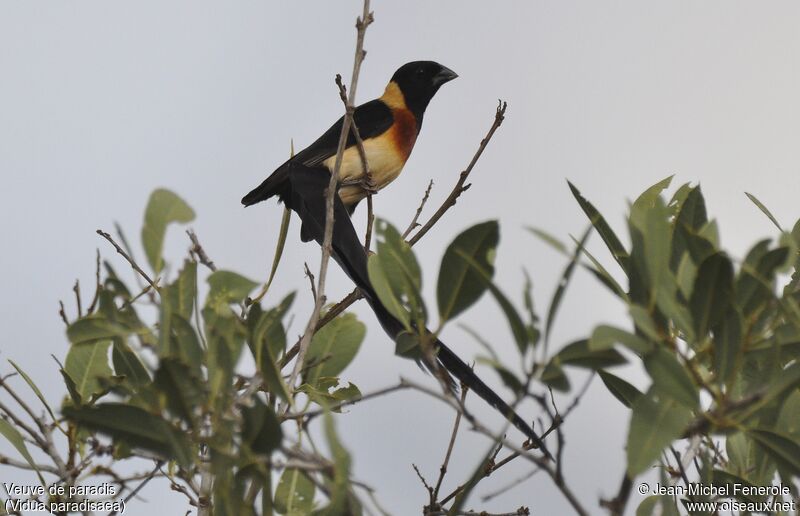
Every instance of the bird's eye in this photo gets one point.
(420, 71)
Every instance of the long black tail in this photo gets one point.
(304, 192)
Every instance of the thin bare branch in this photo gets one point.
(361, 26)
(197, 249)
(522, 511)
(45, 468)
(446, 461)
(139, 487)
(129, 259)
(77, 289)
(98, 285)
(460, 187)
(511, 485)
(414, 224)
(62, 313)
(422, 479)
(310, 277)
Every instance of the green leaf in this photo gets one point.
(460, 285)
(727, 345)
(181, 389)
(261, 430)
(693, 211)
(578, 354)
(679, 197)
(764, 210)
(90, 329)
(687, 228)
(127, 363)
(518, 329)
(72, 389)
(86, 364)
(33, 387)
(606, 233)
(534, 333)
(334, 346)
(271, 372)
(322, 395)
(655, 423)
(788, 421)
(163, 208)
(649, 197)
(648, 505)
(555, 302)
(782, 448)
(549, 239)
(626, 393)
(710, 232)
(687, 272)
(266, 331)
(341, 501)
(184, 342)
(602, 274)
(15, 438)
(644, 322)
(227, 287)
(712, 293)
(279, 245)
(787, 380)
(182, 292)
(604, 337)
(294, 495)
(671, 303)
(724, 478)
(136, 428)
(509, 379)
(380, 282)
(396, 276)
(755, 285)
(670, 378)
(657, 235)
(225, 335)
(408, 345)
(267, 339)
(553, 376)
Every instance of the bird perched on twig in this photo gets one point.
(388, 127)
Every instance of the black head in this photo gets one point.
(419, 81)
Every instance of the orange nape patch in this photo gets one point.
(403, 132)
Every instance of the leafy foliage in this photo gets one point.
(176, 386)
(718, 337)
(702, 325)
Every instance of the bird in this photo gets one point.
(389, 127)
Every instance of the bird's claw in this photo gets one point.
(368, 185)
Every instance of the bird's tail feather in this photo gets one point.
(454, 366)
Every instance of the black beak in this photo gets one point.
(444, 75)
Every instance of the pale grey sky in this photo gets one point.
(101, 102)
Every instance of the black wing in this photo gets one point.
(372, 119)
